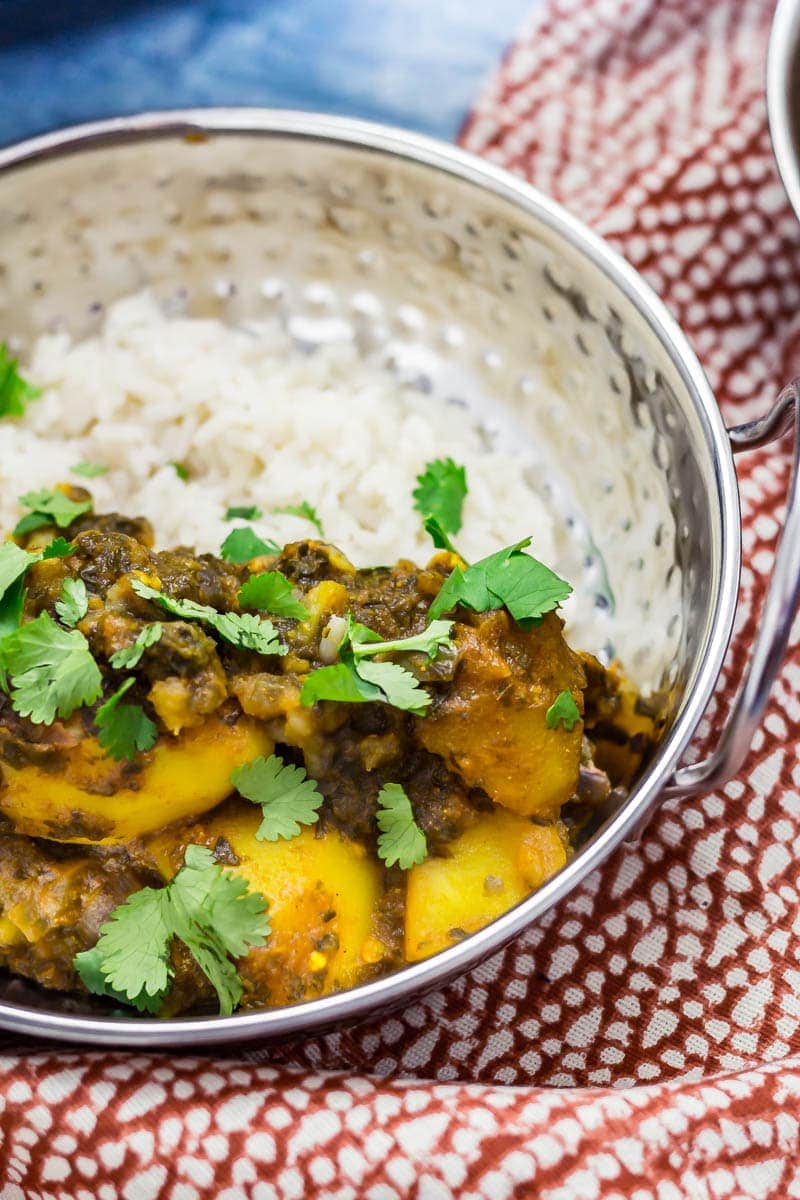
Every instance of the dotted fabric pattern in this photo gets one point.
(643, 1041)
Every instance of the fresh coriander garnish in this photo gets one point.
(89, 470)
(49, 508)
(210, 910)
(51, 670)
(243, 544)
(510, 578)
(12, 603)
(401, 840)
(14, 562)
(58, 548)
(240, 629)
(441, 541)
(124, 728)
(563, 709)
(180, 470)
(130, 656)
(73, 602)
(304, 510)
(272, 592)
(398, 686)
(247, 512)
(15, 392)
(430, 641)
(288, 798)
(440, 493)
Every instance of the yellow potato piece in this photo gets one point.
(322, 893)
(92, 798)
(491, 867)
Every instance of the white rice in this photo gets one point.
(255, 421)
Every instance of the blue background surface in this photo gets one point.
(418, 63)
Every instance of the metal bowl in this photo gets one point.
(462, 278)
(783, 95)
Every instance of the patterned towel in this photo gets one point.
(643, 1041)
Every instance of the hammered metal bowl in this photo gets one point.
(470, 286)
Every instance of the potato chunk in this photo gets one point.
(490, 728)
(322, 894)
(88, 797)
(491, 867)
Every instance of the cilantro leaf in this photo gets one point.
(288, 798)
(58, 548)
(247, 512)
(304, 510)
(49, 508)
(243, 544)
(180, 470)
(52, 670)
(11, 605)
(241, 629)
(430, 642)
(510, 578)
(338, 682)
(209, 910)
(440, 493)
(89, 470)
(563, 709)
(73, 602)
(14, 562)
(401, 840)
(124, 728)
(130, 656)
(15, 392)
(400, 688)
(441, 541)
(272, 592)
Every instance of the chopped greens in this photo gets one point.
(51, 670)
(247, 512)
(440, 493)
(441, 541)
(401, 840)
(73, 602)
(305, 511)
(49, 508)
(243, 544)
(14, 562)
(510, 578)
(288, 798)
(130, 656)
(430, 641)
(180, 470)
(15, 392)
(240, 629)
(89, 470)
(58, 548)
(210, 910)
(272, 592)
(338, 682)
(124, 728)
(400, 688)
(563, 709)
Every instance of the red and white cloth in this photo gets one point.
(643, 1041)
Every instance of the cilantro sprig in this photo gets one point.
(15, 392)
(564, 711)
(124, 728)
(73, 602)
(272, 592)
(130, 656)
(49, 507)
(208, 909)
(243, 544)
(305, 511)
(401, 840)
(51, 670)
(89, 470)
(511, 579)
(244, 630)
(440, 493)
(247, 512)
(288, 798)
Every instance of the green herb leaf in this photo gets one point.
(247, 512)
(510, 578)
(49, 508)
(89, 470)
(124, 728)
(73, 602)
(288, 798)
(210, 910)
(563, 709)
(441, 491)
(180, 470)
(241, 629)
(12, 603)
(14, 562)
(400, 688)
(58, 548)
(130, 656)
(439, 538)
(272, 592)
(430, 642)
(52, 670)
(243, 544)
(401, 840)
(15, 392)
(339, 682)
(304, 510)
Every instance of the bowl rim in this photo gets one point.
(414, 980)
(783, 52)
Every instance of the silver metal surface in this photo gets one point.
(224, 212)
(783, 95)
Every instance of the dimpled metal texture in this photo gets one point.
(481, 303)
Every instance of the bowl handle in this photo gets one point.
(777, 615)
